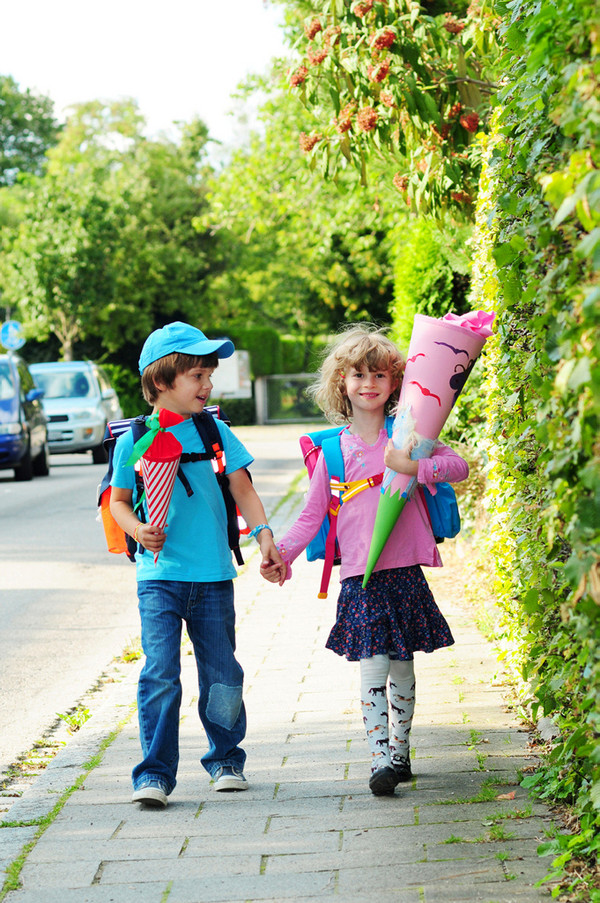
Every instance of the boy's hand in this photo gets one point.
(151, 537)
(399, 459)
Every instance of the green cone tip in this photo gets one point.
(389, 510)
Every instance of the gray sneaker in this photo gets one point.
(229, 778)
(151, 793)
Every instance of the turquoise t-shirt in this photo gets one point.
(196, 548)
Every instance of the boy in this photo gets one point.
(192, 579)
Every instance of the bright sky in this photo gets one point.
(177, 58)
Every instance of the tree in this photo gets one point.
(60, 266)
(410, 81)
(27, 129)
(106, 250)
(296, 252)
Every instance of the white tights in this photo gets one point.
(387, 727)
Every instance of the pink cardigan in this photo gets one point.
(411, 541)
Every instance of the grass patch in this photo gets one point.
(485, 795)
(76, 718)
(13, 871)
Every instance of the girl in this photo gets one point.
(383, 625)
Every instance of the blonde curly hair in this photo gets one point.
(361, 345)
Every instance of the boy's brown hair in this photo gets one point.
(166, 369)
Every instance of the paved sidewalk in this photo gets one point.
(308, 827)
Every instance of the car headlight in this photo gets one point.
(11, 429)
(85, 414)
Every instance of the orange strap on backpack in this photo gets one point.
(345, 491)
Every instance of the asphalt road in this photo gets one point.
(68, 606)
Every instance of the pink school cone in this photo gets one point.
(441, 356)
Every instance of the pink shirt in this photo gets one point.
(411, 541)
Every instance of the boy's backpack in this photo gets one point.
(117, 540)
(442, 507)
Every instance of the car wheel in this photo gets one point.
(99, 455)
(24, 469)
(41, 464)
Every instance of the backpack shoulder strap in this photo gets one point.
(331, 447)
(334, 460)
(211, 439)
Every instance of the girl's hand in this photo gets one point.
(399, 459)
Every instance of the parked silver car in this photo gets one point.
(78, 401)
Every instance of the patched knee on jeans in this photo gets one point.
(224, 704)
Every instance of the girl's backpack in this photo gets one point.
(442, 507)
(117, 540)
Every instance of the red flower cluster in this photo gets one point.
(313, 28)
(307, 142)
(343, 122)
(383, 39)
(461, 197)
(299, 76)
(452, 24)
(443, 132)
(316, 56)
(470, 122)
(400, 182)
(455, 110)
(367, 119)
(362, 8)
(386, 99)
(379, 72)
(331, 34)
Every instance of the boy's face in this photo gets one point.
(189, 393)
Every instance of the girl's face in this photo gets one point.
(189, 393)
(368, 390)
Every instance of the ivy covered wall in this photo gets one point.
(538, 254)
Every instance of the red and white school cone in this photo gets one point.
(159, 471)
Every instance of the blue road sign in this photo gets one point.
(11, 335)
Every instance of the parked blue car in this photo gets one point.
(23, 427)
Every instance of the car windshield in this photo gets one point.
(64, 384)
(7, 389)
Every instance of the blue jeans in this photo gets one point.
(207, 609)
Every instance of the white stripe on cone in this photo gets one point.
(159, 479)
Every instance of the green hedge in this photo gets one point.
(537, 260)
(271, 352)
(430, 274)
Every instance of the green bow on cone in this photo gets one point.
(144, 442)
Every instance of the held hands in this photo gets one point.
(273, 572)
(272, 566)
(399, 459)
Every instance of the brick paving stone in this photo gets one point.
(308, 827)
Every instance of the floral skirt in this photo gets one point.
(395, 615)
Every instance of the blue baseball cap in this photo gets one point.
(183, 338)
